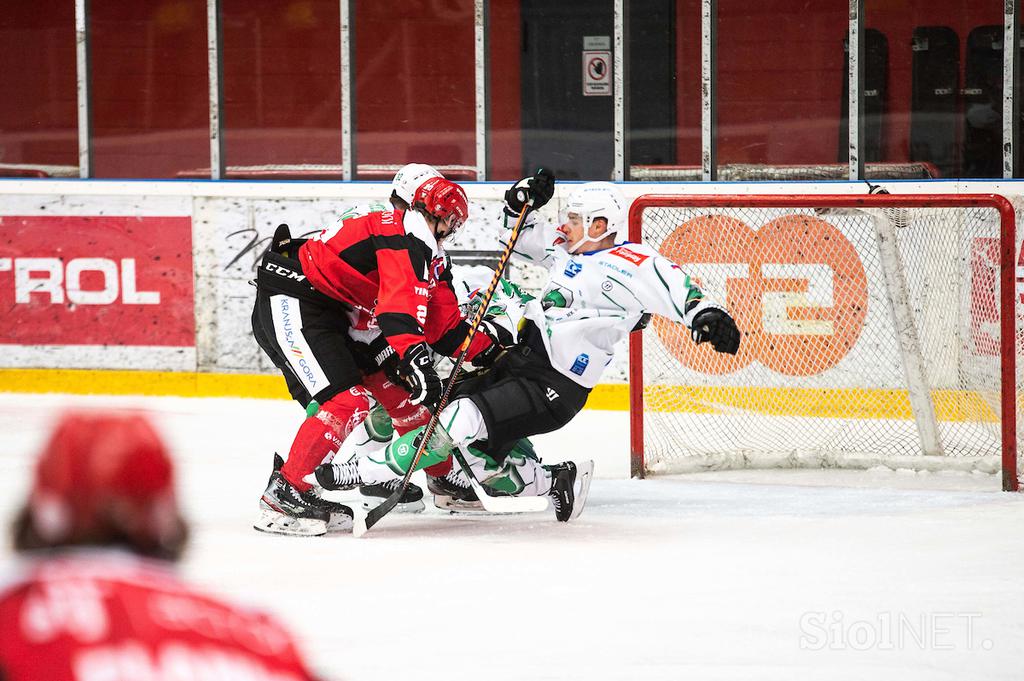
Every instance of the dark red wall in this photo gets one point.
(282, 92)
(415, 82)
(897, 21)
(38, 105)
(780, 81)
(150, 101)
(506, 118)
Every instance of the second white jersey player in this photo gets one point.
(598, 290)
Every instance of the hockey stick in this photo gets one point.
(361, 524)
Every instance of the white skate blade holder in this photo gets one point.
(410, 507)
(452, 505)
(273, 522)
(359, 527)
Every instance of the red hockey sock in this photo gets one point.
(404, 416)
(439, 470)
(321, 435)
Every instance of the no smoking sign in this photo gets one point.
(597, 73)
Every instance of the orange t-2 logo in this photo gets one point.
(796, 288)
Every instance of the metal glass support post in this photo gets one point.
(348, 153)
(481, 63)
(82, 86)
(620, 62)
(855, 69)
(708, 106)
(1011, 98)
(215, 69)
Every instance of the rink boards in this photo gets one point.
(143, 287)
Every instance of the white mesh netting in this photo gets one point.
(870, 337)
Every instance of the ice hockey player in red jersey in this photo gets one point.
(375, 273)
(97, 598)
(443, 330)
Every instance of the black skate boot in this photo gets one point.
(340, 518)
(411, 501)
(570, 485)
(453, 492)
(338, 476)
(284, 510)
(278, 463)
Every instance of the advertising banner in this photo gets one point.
(97, 281)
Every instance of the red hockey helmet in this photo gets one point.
(444, 200)
(104, 478)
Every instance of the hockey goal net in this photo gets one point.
(878, 330)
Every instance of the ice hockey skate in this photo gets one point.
(453, 492)
(346, 476)
(338, 476)
(286, 510)
(341, 515)
(411, 502)
(570, 485)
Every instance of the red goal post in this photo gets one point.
(878, 330)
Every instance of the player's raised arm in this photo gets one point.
(538, 240)
(672, 293)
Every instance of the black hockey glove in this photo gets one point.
(500, 339)
(541, 186)
(416, 370)
(714, 325)
(377, 355)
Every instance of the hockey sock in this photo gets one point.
(439, 470)
(520, 474)
(460, 423)
(407, 420)
(400, 453)
(512, 474)
(378, 425)
(321, 435)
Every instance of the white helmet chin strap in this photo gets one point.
(592, 239)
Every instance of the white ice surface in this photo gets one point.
(732, 575)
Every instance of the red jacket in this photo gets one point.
(387, 266)
(113, 616)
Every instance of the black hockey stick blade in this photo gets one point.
(363, 521)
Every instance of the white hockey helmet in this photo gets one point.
(596, 200)
(409, 178)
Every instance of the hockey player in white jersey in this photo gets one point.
(598, 292)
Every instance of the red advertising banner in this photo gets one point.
(96, 280)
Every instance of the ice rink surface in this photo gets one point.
(735, 575)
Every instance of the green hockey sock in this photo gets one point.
(400, 453)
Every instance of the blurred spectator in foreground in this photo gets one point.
(97, 597)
